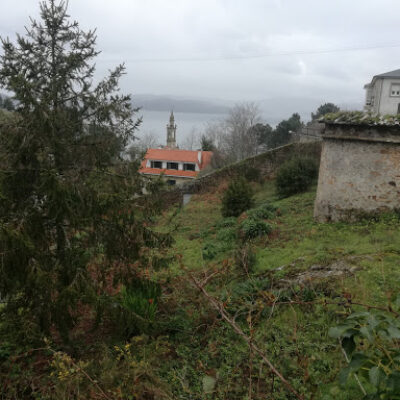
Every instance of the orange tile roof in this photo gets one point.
(175, 155)
(169, 172)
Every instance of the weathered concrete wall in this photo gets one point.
(359, 172)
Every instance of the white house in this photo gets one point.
(177, 166)
(383, 93)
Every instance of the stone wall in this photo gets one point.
(267, 163)
(359, 172)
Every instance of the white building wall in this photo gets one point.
(388, 104)
(379, 98)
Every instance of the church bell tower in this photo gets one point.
(171, 132)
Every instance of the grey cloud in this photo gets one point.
(135, 31)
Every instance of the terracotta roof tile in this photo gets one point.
(175, 155)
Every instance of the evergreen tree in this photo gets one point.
(206, 143)
(67, 219)
(284, 130)
(237, 198)
(324, 109)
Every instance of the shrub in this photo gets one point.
(237, 198)
(265, 211)
(209, 251)
(227, 222)
(296, 176)
(370, 340)
(252, 228)
(226, 235)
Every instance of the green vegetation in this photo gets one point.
(370, 342)
(237, 198)
(253, 227)
(288, 287)
(323, 109)
(104, 297)
(296, 176)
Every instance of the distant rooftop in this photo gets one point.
(391, 74)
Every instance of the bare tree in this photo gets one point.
(233, 137)
(144, 142)
(240, 140)
(191, 141)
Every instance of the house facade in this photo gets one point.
(383, 94)
(175, 165)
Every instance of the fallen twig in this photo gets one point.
(217, 305)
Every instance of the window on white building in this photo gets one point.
(172, 165)
(189, 167)
(395, 90)
(156, 164)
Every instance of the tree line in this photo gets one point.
(243, 134)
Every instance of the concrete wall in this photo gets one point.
(359, 172)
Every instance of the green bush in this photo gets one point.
(237, 198)
(209, 251)
(226, 235)
(264, 211)
(252, 228)
(227, 223)
(370, 340)
(296, 176)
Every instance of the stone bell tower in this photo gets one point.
(171, 132)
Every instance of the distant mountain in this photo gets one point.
(272, 110)
(185, 105)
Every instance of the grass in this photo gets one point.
(295, 337)
(191, 353)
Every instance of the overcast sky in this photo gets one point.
(199, 48)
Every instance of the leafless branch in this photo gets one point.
(217, 305)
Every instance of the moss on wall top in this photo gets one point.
(361, 118)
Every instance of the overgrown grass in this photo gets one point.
(191, 353)
(296, 337)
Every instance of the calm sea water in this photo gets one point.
(155, 122)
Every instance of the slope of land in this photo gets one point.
(297, 286)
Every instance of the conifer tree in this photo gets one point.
(67, 217)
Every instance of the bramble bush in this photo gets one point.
(296, 176)
(370, 340)
(237, 198)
